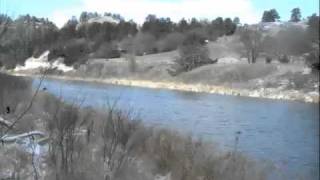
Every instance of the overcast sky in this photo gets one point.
(249, 11)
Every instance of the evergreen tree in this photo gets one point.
(84, 17)
(69, 29)
(229, 26)
(313, 29)
(295, 15)
(183, 25)
(236, 20)
(270, 16)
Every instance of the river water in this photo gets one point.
(283, 133)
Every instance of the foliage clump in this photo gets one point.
(193, 53)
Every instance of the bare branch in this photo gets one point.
(19, 117)
(34, 166)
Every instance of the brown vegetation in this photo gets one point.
(89, 144)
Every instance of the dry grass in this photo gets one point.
(227, 74)
(80, 138)
(154, 67)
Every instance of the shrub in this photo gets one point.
(193, 53)
(13, 91)
(144, 43)
(301, 81)
(292, 41)
(284, 59)
(107, 50)
(64, 138)
(268, 59)
(126, 44)
(170, 42)
(312, 58)
(132, 64)
(74, 51)
(8, 64)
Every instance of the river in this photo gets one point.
(285, 133)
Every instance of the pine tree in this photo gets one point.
(295, 15)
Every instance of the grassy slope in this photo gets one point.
(287, 79)
(237, 75)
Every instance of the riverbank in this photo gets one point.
(267, 93)
(108, 144)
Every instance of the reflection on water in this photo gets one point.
(286, 133)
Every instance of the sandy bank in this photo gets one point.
(268, 93)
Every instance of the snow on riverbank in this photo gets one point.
(42, 62)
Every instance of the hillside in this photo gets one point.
(261, 60)
(288, 81)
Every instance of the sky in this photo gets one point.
(249, 11)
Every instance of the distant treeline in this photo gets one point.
(107, 35)
(79, 38)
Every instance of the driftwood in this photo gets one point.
(13, 138)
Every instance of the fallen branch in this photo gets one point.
(13, 138)
(5, 123)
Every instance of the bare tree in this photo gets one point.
(252, 40)
(111, 135)
(33, 147)
(4, 22)
(116, 132)
(132, 64)
(62, 129)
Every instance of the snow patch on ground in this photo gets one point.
(34, 63)
(306, 70)
(103, 20)
(58, 63)
(42, 62)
